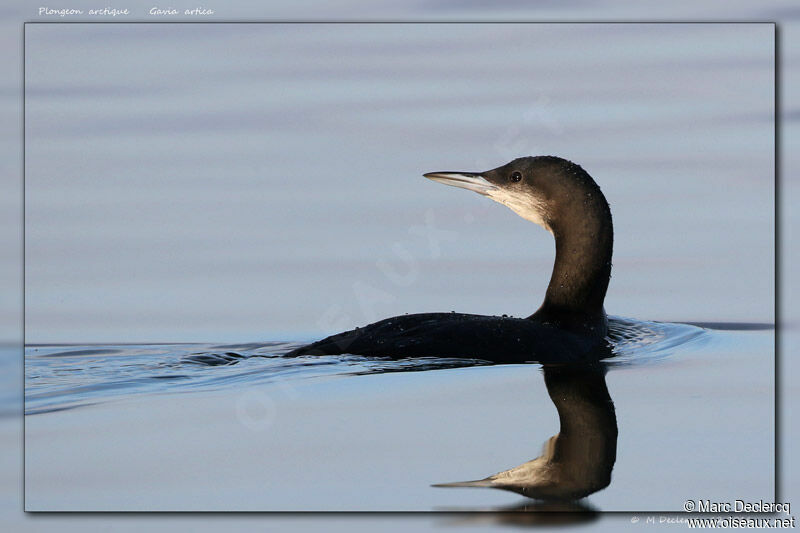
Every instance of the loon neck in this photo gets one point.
(582, 267)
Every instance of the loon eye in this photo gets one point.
(516, 176)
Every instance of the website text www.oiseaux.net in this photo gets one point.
(736, 522)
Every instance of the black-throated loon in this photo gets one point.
(571, 323)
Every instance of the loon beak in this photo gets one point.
(471, 181)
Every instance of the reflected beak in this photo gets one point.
(471, 181)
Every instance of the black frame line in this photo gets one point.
(776, 259)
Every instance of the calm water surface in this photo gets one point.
(62, 377)
(692, 404)
(233, 183)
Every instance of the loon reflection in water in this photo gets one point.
(570, 324)
(578, 460)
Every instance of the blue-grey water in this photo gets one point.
(693, 405)
(201, 198)
(64, 377)
(235, 183)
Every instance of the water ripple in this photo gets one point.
(639, 342)
(65, 377)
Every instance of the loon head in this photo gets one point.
(547, 190)
(562, 198)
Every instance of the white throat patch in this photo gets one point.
(522, 204)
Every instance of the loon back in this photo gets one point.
(456, 335)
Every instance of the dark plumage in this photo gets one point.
(571, 323)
